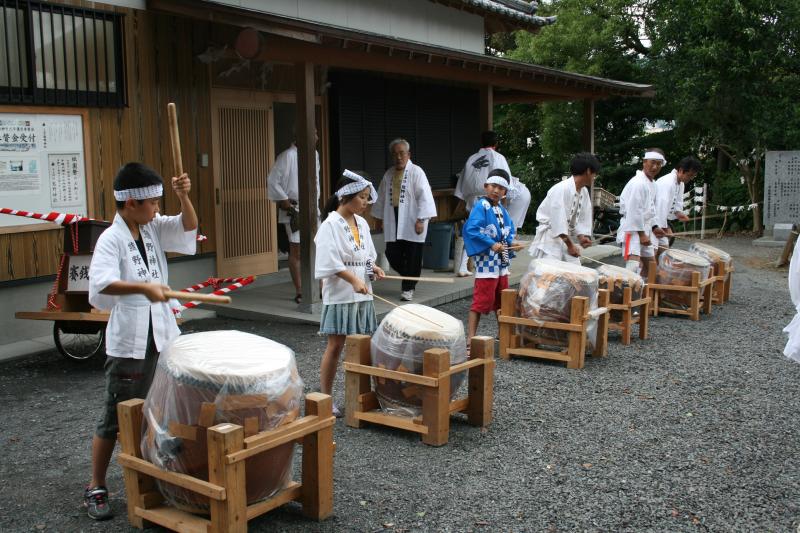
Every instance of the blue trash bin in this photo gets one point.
(436, 253)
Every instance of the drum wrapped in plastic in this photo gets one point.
(400, 343)
(710, 253)
(237, 377)
(546, 292)
(616, 279)
(675, 267)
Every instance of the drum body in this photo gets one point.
(675, 267)
(240, 378)
(616, 279)
(400, 343)
(546, 292)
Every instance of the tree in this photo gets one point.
(730, 77)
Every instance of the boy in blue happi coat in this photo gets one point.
(488, 233)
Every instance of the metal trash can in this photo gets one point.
(436, 253)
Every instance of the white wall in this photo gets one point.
(414, 20)
(135, 4)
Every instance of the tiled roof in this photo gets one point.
(515, 12)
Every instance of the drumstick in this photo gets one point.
(406, 310)
(432, 280)
(193, 296)
(175, 139)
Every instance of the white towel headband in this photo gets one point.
(356, 187)
(140, 193)
(654, 155)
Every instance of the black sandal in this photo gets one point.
(298, 299)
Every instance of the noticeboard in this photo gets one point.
(42, 165)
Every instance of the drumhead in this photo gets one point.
(710, 252)
(226, 357)
(406, 322)
(687, 258)
(613, 273)
(546, 265)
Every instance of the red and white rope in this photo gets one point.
(57, 218)
(214, 282)
(63, 219)
(237, 285)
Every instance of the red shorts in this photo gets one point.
(486, 296)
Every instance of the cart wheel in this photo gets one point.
(80, 344)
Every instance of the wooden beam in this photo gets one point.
(306, 177)
(278, 48)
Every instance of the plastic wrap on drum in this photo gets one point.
(400, 343)
(710, 253)
(546, 292)
(675, 267)
(616, 279)
(204, 379)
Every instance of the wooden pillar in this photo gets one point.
(487, 108)
(588, 125)
(306, 177)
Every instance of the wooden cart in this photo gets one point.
(78, 328)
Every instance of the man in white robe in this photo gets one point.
(128, 276)
(565, 215)
(284, 190)
(669, 196)
(639, 225)
(473, 176)
(404, 207)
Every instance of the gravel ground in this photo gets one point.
(693, 429)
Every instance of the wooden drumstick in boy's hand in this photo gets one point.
(174, 137)
(193, 296)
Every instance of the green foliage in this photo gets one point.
(726, 74)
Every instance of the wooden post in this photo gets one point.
(588, 125)
(601, 340)
(694, 296)
(357, 351)
(481, 382)
(487, 107)
(436, 400)
(576, 343)
(728, 282)
(230, 514)
(626, 316)
(508, 301)
(318, 460)
(708, 298)
(129, 414)
(306, 177)
(644, 319)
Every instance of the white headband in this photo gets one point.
(140, 193)
(498, 180)
(654, 155)
(356, 187)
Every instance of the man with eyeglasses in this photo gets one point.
(405, 204)
(639, 225)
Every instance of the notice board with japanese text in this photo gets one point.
(42, 165)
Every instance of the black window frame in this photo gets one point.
(34, 95)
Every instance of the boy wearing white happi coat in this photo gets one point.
(128, 276)
(565, 215)
(639, 225)
(669, 196)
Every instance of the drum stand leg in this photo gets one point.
(480, 380)
(139, 488)
(318, 450)
(436, 400)
(357, 351)
(230, 514)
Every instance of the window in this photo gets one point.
(60, 55)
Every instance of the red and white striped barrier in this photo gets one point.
(213, 282)
(63, 219)
(241, 282)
